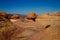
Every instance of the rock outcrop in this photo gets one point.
(50, 33)
(51, 26)
(45, 27)
(47, 19)
(32, 16)
(55, 13)
(14, 18)
(3, 14)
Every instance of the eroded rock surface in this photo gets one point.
(46, 27)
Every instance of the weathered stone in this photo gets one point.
(15, 16)
(32, 16)
(51, 33)
(3, 14)
(47, 19)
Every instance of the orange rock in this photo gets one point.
(3, 14)
(32, 15)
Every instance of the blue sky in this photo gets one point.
(26, 6)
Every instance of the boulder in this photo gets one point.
(31, 16)
(3, 14)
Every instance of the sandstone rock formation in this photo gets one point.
(14, 18)
(50, 33)
(51, 24)
(46, 27)
(47, 19)
(3, 16)
(55, 13)
(32, 16)
(7, 29)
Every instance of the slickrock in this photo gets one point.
(45, 27)
(30, 29)
(50, 33)
(52, 28)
